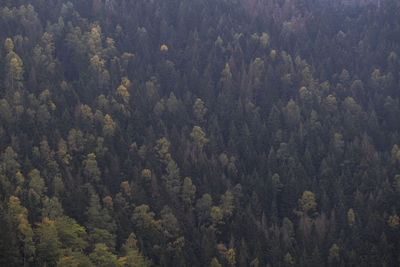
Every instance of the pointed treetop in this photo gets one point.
(164, 48)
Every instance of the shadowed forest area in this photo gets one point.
(199, 133)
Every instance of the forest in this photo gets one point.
(199, 133)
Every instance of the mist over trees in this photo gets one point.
(199, 133)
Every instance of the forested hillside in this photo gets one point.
(199, 133)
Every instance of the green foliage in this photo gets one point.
(52, 208)
(132, 257)
(76, 140)
(142, 217)
(351, 217)
(199, 109)
(123, 93)
(9, 45)
(338, 143)
(169, 222)
(288, 260)
(102, 236)
(226, 76)
(36, 183)
(99, 217)
(227, 203)
(188, 191)
(19, 218)
(256, 102)
(172, 178)
(71, 235)
(74, 259)
(215, 263)
(216, 215)
(102, 257)
(15, 71)
(172, 103)
(307, 202)
(91, 169)
(48, 246)
(203, 207)
(333, 254)
(9, 161)
(162, 150)
(109, 126)
(6, 112)
(199, 137)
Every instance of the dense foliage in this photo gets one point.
(199, 133)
